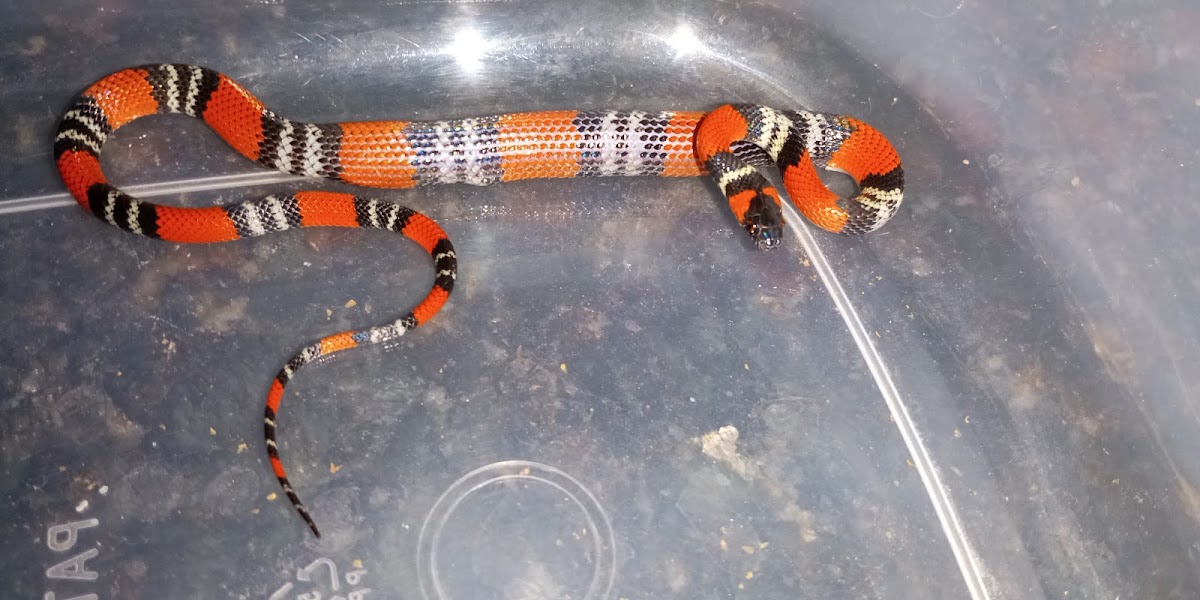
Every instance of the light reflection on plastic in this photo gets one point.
(468, 49)
(685, 42)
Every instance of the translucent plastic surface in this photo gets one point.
(992, 397)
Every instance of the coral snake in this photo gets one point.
(727, 143)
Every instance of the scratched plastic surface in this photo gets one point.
(993, 397)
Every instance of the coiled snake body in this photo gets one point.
(727, 143)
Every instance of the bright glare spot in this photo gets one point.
(685, 42)
(468, 49)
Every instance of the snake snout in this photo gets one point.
(764, 238)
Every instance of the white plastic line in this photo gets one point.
(943, 506)
(150, 190)
(20, 205)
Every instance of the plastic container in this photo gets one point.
(992, 397)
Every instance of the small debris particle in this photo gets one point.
(242, 447)
(104, 490)
(351, 303)
(748, 549)
(82, 506)
(254, 511)
(34, 46)
(722, 446)
(562, 367)
(749, 574)
(212, 431)
(328, 313)
(724, 545)
(334, 468)
(909, 462)
(357, 563)
(763, 545)
(957, 433)
(967, 419)
(746, 366)
(272, 496)
(1075, 181)
(525, 471)
(966, 162)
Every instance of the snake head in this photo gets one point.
(764, 222)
